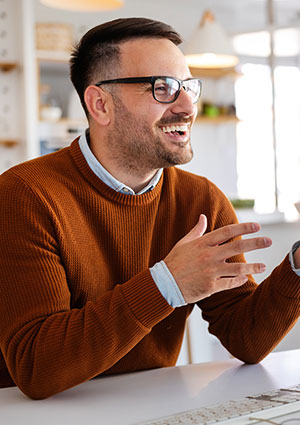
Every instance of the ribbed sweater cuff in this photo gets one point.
(145, 300)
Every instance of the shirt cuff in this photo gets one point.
(167, 285)
(291, 258)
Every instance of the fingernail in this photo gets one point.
(267, 241)
(255, 226)
(262, 267)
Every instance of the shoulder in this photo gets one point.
(185, 181)
(194, 193)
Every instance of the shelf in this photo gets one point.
(215, 73)
(53, 56)
(66, 122)
(7, 66)
(221, 119)
(247, 215)
(8, 143)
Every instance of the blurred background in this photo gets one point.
(246, 137)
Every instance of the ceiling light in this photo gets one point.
(84, 5)
(209, 46)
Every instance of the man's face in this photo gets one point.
(142, 136)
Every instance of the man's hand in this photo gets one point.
(198, 262)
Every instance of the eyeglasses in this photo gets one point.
(164, 89)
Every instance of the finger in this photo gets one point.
(202, 224)
(241, 246)
(196, 231)
(225, 283)
(241, 269)
(223, 234)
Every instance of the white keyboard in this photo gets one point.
(273, 406)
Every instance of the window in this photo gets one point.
(255, 150)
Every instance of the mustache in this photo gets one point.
(175, 119)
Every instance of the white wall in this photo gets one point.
(215, 153)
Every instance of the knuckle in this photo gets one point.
(259, 268)
(238, 281)
(239, 269)
(260, 242)
(206, 256)
(208, 272)
(228, 232)
(210, 286)
(238, 244)
(256, 268)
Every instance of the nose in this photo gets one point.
(184, 105)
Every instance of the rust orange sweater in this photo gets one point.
(76, 295)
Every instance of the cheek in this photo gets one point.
(148, 117)
(143, 108)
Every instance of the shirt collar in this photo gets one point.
(106, 177)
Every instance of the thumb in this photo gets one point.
(196, 231)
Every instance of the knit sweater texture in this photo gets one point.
(76, 296)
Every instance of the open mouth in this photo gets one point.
(176, 130)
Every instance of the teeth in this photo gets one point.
(168, 129)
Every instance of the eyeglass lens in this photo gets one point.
(166, 89)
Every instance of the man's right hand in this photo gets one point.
(198, 262)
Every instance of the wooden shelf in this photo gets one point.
(221, 119)
(215, 73)
(7, 66)
(66, 121)
(53, 56)
(8, 143)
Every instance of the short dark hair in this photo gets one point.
(97, 55)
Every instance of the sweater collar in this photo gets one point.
(105, 176)
(119, 197)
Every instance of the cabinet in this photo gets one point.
(60, 116)
(13, 68)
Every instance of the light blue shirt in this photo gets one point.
(160, 273)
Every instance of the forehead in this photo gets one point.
(152, 56)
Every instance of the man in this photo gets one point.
(105, 247)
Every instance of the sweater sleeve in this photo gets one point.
(252, 319)
(47, 346)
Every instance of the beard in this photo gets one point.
(135, 146)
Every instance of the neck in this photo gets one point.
(132, 176)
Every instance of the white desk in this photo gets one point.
(131, 398)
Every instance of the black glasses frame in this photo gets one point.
(151, 80)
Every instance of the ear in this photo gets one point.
(98, 103)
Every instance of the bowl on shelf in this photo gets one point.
(51, 113)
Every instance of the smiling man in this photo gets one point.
(143, 122)
(106, 247)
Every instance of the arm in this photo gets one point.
(248, 319)
(48, 346)
(251, 320)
